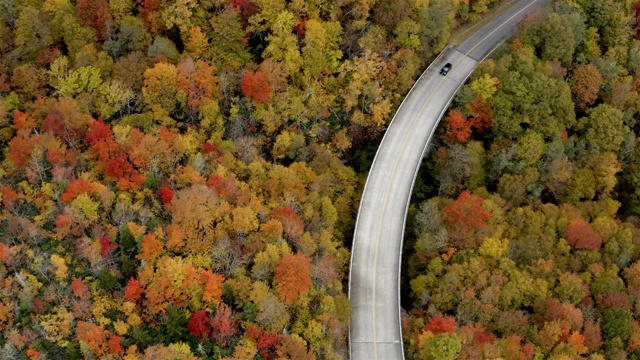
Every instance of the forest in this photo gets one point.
(179, 179)
(524, 239)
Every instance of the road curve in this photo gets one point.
(374, 280)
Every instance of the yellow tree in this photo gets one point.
(161, 92)
(196, 211)
(321, 50)
(283, 44)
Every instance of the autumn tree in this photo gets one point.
(223, 325)
(481, 119)
(457, 128)
(161, 92)
(28, 81)
(292, 225)
(133, 291)
(195, 210)
(199, 325)
(198, 81)
(587, 82)
(93, 336)
(581, 236)
(111, 157)
(466, 216)
(95, 14)
(441, 324)
(257, 87)
(292, 277)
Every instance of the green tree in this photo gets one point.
(435, 27)
(553, 37)
(604, 128)
(227, 48)
(615, 323)
(176, 324)
(443, 346)
(32, 33)
(570, 288)
(321, 50)
(283, 43)
(528, 97)
(606, 16)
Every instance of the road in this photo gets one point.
(374, 281)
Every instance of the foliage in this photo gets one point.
(292, 276)
(524, 244)
(171, 161)
(257, 87)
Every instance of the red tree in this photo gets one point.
(457, 128)
(292, 277)
(96, 14)
(616, 299)
(265, 341)
(106, 246)
(245, 7)
(482, 337)
(111, 157)
(291, 222)
(592, 335)
(66, 120)
(120, 169)
(636, 9)
(114, 345)
(38, 305)
(75, 188)
(133, 291)
(166, 195)
(20, 150)
(441, 324)
(100, 139)
(23, 124)
(580, 235)
(80, 289)
(199, 324)
(257, 87)
(32, 353)
(209, 148)
(467, 216)
(223, 325)
(9, 196)
(482, 119)
(5, 254)
(216, 182)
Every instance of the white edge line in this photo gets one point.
(355, 229)
(447, 47)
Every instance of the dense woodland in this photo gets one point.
(179, 179)
(525, 238)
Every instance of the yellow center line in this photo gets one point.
(395, 166)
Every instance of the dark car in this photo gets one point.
(445, 69)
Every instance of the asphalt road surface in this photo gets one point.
(374, 280)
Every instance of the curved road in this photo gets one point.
(374, 281)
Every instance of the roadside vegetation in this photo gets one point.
(524, 240)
